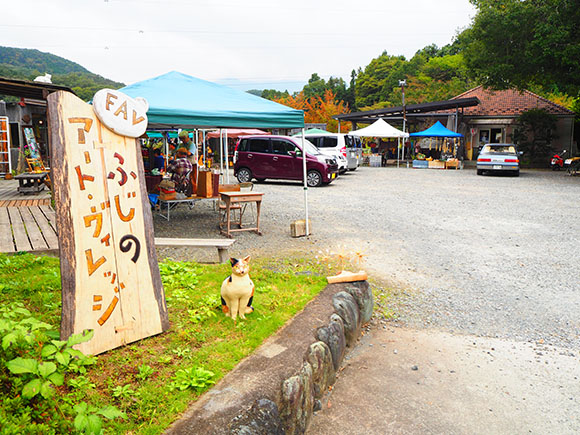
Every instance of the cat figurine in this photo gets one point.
(237, 290)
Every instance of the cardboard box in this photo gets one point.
(420, 164)
(436, 164)
(298, 228)
(215, 183)
(204, 184)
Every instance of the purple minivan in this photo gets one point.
(280, 157)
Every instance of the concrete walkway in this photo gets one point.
(404, 381)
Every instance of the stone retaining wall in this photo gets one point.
(277, 389)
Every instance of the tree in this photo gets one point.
(534, 133)
(350, 99)
(379, 82)
(315, 86)
(272, 94)
(520, 43)
(317, 109)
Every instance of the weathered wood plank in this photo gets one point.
(162, 241)
(104, 228)
(50, 216)
(47, 230)
(34, 234)
(6, 242)
(18, 230)
(64, 218)
(222, 245)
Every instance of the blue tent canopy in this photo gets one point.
(177, 100)
(436, 130)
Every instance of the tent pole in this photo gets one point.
(221, 152)
(305, 180)
(227, 157)
(166, 146)
(398, 151)
(196, 155)
(204, 157)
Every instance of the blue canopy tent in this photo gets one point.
(177, 100)
(436, 130)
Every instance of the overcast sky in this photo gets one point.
(246, 44)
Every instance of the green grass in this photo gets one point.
(143, 379)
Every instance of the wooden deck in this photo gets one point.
(27, 222)
(23, 202)
(10, 197)
(28, 229)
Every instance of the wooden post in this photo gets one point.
(109, 271)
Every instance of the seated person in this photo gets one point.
(180, 169)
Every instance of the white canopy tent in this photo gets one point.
(381, 128)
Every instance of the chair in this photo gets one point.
(221, 206)
(247, 186)
(36, 165)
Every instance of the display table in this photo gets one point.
(31, 182)
(232, 199)
(166, 205)
(452, 164)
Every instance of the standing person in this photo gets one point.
(188, 144)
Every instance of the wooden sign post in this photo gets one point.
(110, 276)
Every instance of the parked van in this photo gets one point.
(349, 146)
(279, 157)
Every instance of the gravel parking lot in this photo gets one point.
(494, 256)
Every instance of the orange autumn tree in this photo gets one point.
(318, 109)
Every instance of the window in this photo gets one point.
(315, 141)
(282, 147)
(483, 137)
(500, 149)
(243, 145)
(329, 142)
(258, 145)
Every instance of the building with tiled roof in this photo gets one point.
(509, 103)
(493, 119)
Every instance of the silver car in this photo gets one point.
(499, 157)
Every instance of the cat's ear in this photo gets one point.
(233, 261)
(247, 259)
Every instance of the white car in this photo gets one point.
(333, 151)
(350, 147)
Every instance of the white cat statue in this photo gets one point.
(237, 290)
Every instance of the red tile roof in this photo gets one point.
(508, 102)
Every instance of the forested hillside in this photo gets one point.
(26, 64)
(432, 74)
(518, 44)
